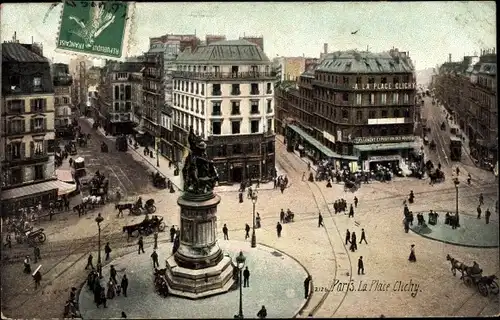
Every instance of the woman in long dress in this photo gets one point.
(412, 257)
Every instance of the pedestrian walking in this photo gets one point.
(27, 265)
(481, 199)
(407, 225)
(112, 274)
(37, 277)
(124, 285)
(351, 211)
(107, 250)
(225, 232)
(8, 241)
(308, 166)
(469, 178)
(247, 231)
(141, 245)
(89, 262)
(354, 244)
(303, 176)
(355, 202)
(361, 266)
(307, 288)
(363, 236)
(262, 314)
(479, 211)
(240, 196)
(172, 234)
(347, 237)
(458, 171)
(124, 315)
(487, 215)
(36, 254)
(103, 297)
(246, 277)
(320, 220)
(279, 227)
(282, 216)
(154, 256)
(155, 237)
(412, 257)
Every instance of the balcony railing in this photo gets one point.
(254, 111)
(224, 75)
(216, 113)
(235, 92)
(254, 92)
(216, 93)
(35, 129)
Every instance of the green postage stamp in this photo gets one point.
(98, 29)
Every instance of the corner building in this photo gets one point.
(356, 108)
(224, 91)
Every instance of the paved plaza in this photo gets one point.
(276, 281)
(473, 232)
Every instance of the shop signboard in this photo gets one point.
(383, 139)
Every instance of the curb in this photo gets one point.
(306, 303)
(452, 243)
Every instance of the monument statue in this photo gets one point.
(199, 173)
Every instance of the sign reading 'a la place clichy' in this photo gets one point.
(385, 86)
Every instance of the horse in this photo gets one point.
(457, 265)
(124, 206)
(131, 229)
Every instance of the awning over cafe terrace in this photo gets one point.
(319, 146)
(37, 188)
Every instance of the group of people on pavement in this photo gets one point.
(487, 214)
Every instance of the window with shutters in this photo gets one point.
(38, 124)
(128, 92)
(37, 83)
(117, 92)
(38, 105)
(39, 172)
(117, 106)
(57, 101)
(16, 150)
(15, 106)
(37, 148)
(16, 126)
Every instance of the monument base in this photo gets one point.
(199, 283)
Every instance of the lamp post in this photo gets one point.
(254, 239)
(240, 262)
(99, 219)
(157, 152)
(456, 198)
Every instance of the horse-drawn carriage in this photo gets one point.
(137, 208)
(432, 145)
(473, 276)
(146, 227)
(426, 140)
(443, 126)
(159, 181)
(350, 185)
(30, 236)
(71, 148)
(437, 176)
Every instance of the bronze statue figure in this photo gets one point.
(199, 172)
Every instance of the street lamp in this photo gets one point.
(456, 182)
(254, 201)
(240, 262)
(99, 219)
(157, 153)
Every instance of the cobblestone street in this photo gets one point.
(319, 250)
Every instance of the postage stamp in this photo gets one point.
(98, 29)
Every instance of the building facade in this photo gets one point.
(122, 81)
(224, 91)
(27, 135)
(467, 89)
(63, 107)
(357, 108)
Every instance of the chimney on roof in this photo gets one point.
(325, 48)
(449, 57)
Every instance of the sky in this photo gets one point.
(428, 30)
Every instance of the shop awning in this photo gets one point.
(385, 146)
(36, 188)
(319, 146)
(65, 176)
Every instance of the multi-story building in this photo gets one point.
(290, 68)
(93, 76)
(78, 68)
(62, 81)
(467, 89)
(27, 135)
(357, 108)
(122, 82)
(224, 91)
(157, 88)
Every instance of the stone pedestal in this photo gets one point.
(198, 269)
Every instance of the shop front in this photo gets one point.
(389, 155)
(29, 196)
(299, 140)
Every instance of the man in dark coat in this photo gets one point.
(225, 232)
(306, 286)
(247, 231)
(354, 244)
(262, 314)
(154, 256)
(89, 262)
(407, 225)
(124, 284)
(37, 277)
(36, 253)
(107, 250)
(320, 220)
(140, 243)
(355, 202)
(282, 216)
(487, 216)
(347, 237)
(351, 211)
(246, 277)
(279, 227)
(479, 211)
(172, 234)
(112, 273)
(361, 267)
(240, 196)
(363, 236)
